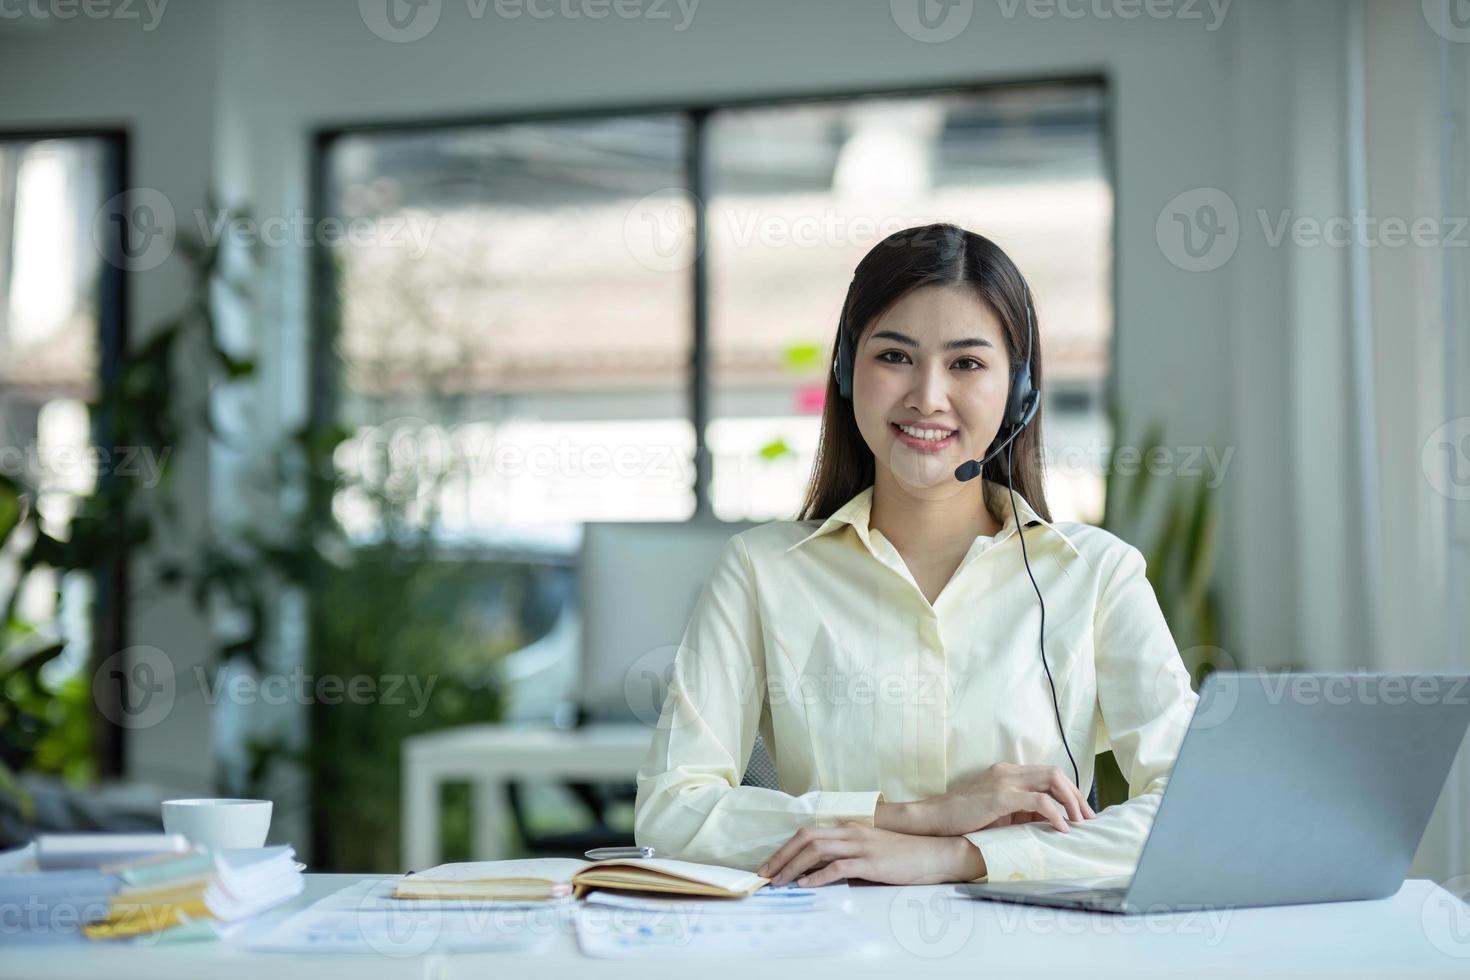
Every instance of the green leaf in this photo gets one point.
(9, 507)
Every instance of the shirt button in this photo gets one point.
(1017, 876)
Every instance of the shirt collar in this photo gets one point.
(858, 510)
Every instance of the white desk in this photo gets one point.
(1413, 934)
(489, 756)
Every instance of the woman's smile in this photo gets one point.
(920, 444)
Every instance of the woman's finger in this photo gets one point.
(1052, 810)
(1065, 794)
(814, 855)
(788, 850)
(836, 871)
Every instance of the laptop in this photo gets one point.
(1289, 788)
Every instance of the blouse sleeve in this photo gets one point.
(1146, 702)
(690, 804)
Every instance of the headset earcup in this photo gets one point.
(1018, 405)
(843, 365)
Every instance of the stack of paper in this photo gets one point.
(202, 890)
(68, 852)
(78, 882)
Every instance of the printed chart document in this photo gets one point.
(784, 900)
(619, 933)
(357, 920)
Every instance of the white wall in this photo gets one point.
(1253, 355)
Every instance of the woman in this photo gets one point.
(889, 645)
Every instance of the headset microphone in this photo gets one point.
(970, 470)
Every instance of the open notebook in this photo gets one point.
(540, 879)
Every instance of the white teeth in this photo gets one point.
(929, 435)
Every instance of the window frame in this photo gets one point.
(324, 314)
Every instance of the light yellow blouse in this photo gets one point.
(823, 642)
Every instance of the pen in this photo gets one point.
(616, 853)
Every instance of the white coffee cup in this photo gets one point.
(219, 824)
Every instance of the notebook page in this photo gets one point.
(559, 870)
(729, 879)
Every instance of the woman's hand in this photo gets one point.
(821, 856)
(1002, 795)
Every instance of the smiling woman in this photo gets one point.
(897, 574)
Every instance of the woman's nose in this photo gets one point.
(930, 393)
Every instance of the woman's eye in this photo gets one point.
(964, 363)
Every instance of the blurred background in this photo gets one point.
(378, 380)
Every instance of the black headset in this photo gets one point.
(1021, 406)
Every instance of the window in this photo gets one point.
(497, 331)
(800, 193)
(60, 316)
(532, 328)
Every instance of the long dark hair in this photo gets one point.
(938, 254)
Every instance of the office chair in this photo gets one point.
(637, 584)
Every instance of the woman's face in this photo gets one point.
(906, 371)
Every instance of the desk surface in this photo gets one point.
(1423, 930)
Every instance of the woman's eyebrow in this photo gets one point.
(903, 338)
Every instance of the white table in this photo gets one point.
(1423, 931)
(489, 756)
